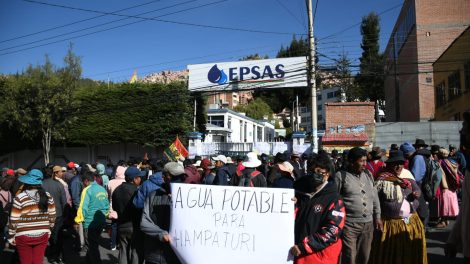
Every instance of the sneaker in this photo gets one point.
(114, 248)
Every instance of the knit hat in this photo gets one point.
(407, 148)
(34, 177)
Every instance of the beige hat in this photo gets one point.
(174, 168)
(286, 167)
(21, 171)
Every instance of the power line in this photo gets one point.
(290, 12)
(111, 22)
(75, 22)
(352, 26)
(167, 21)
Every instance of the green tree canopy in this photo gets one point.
(147, 114)
(370, 80)
(37, 100)
(279, 99)
(256, 109)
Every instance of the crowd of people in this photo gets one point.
(357, 206)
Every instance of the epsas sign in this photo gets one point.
(273, 73)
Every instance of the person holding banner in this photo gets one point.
(156, 219)
(320, 215)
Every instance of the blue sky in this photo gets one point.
(153, 46)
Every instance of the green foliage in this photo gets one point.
(286, 123)
(370, 80)
(343, 74)
(147, 114)
(256, 109)
(37, 100)
(201, 117)
(279, 99)
(255, 56)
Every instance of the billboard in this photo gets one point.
(245, 75)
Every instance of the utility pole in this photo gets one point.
(311, 77)
(194, 120)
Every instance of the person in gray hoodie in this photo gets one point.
(156, 218)
(101, 169)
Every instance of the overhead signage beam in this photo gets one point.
(247, 75)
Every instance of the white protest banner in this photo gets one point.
(225, 224)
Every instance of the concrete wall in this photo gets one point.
(103, 153)
(439, 133)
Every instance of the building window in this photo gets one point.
(330, 95)
(441, 94)
(216, 120)
(454, 85)
(319, 97)
(467, 76)
(319, 107)
(338, 93)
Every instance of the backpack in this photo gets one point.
(246, 180)
(5, 210)
(431, 180)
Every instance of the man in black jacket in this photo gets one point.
(56, 190)
(128, 216)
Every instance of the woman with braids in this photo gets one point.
(32, 218)
(402, 239)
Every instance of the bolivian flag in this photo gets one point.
(133, 78)
(176, 150)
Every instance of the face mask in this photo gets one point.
(317, 179)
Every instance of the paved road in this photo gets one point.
(435, 242)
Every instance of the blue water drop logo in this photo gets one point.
(216, 76)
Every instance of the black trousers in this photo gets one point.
(55, 241)
(92, 237)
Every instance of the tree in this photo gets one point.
(145, 114)
(343, 74)
(370, 80)
(201, 119)
(256, 109)
(37, 101)
(255, 56)
(279, 99)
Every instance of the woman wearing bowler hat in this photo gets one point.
(403, 237)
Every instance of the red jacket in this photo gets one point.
(319, 222)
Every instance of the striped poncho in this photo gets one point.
(27, 219)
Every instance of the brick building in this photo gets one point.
(346, 124)
(423, 31)
(452, 80)
(230, 99)
(349, 114)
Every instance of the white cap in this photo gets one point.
(221, 158)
